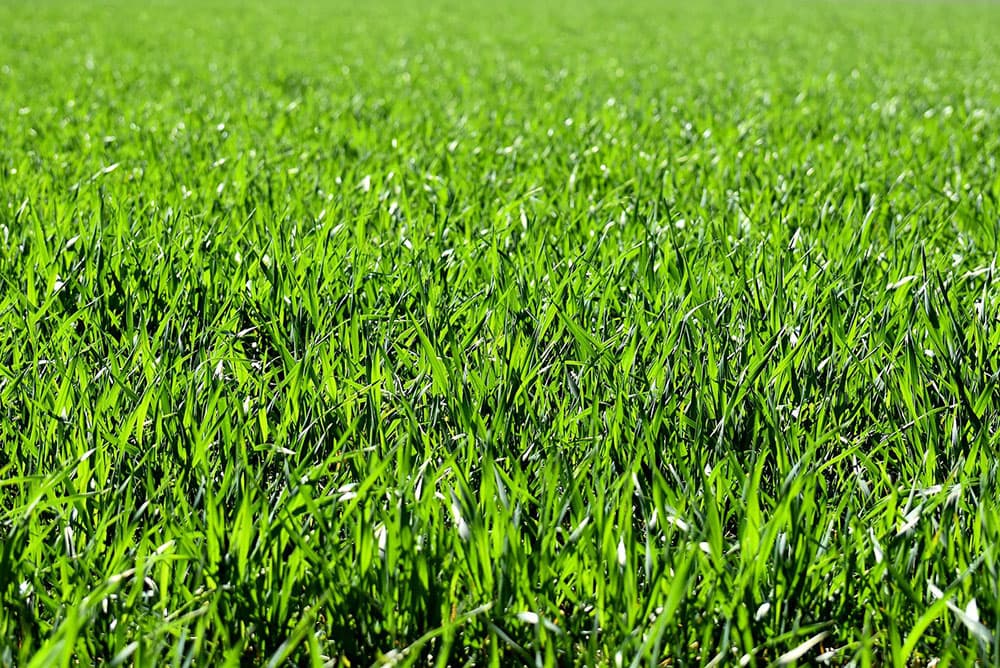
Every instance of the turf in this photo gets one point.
(618, 333)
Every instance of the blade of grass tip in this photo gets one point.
(122, 656)
(511, 643)
(970, 618)
(797, 653)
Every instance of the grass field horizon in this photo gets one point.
(457, 333)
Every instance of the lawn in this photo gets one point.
(618, 333)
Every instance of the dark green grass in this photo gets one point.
(628, 333)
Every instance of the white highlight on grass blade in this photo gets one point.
(972, 610)
(876, 547)
(794, 242)
(828, 656)
(463, 528)
(622, 554)
(346, 492)
(68, 535)
(150, 589)
(910, 520)
(762, 611)
(969, 617)
(366, 184)
(382, 536)
(392, 657)
(955, 494)
(529, 617)
(781, 544)
(123, 655)
(678, 522)
(118, 577)
(900, 283)
(578, 531)
(803, 649)
(163, 548)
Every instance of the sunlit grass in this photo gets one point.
(630, 333)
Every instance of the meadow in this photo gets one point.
(647, 333)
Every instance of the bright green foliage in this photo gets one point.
(629, 333)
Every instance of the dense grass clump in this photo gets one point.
(633, 333)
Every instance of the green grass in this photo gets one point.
(621, 333)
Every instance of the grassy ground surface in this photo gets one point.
(622, 333)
